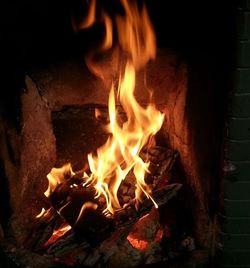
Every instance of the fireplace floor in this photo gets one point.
(198, 259)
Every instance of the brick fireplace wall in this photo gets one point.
(235, 239)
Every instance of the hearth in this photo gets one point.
(115, 154)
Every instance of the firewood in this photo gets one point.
(92, 225)
(129, 214)
(95, 227)
(62, 245)
(84, 252)
(43, 229)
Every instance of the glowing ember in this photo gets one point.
(159, 235)
(137, 243)
(146, 231)
(142, 244)
(57, 234)
(119, 156)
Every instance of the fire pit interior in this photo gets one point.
(112, 155)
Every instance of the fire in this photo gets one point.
(136, 34)
(142, 244)
(89, 20)
(120, 155)
(57, 176)
(85, 206)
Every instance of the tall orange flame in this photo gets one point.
(136, 34)
(120, 154)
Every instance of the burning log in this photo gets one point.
(43, 228)
(82, 252)
(94, 227)
(76, 204)
(142, 244)
(129, 214)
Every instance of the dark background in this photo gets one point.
(35, 32)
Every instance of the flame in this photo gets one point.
(85, 206)
(92, 17)
(57, 176)
(135, 33)
(43, 211)
(89, 20)
(119, 156)
(97, 113)
(108, 40)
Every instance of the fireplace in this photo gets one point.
(62, 109)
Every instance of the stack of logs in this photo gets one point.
(101, 240)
